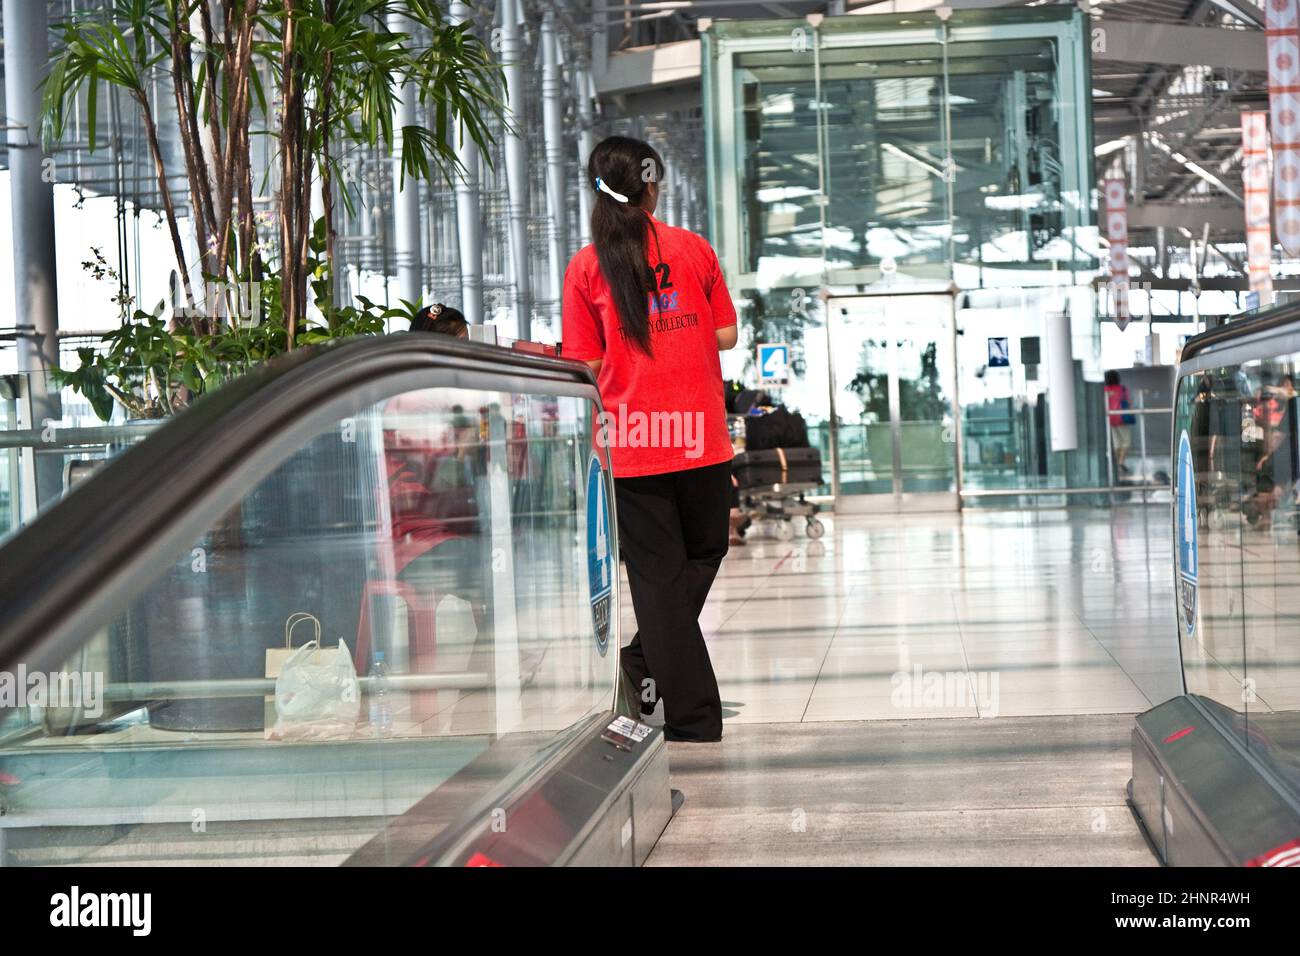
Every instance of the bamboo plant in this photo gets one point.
(323, 78)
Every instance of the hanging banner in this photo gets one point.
(1259, 227)
(1117, 234)
(1281, 22)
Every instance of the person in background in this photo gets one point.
(442, 319)
(646, 307)
(737, 519)
(1121, 432)
(431, 450)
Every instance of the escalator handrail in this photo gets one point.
(1277, 318)
(75, 552)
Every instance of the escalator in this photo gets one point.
(1216, 771)
(358, 607)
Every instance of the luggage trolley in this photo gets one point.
(775, 467)
(772, 485)
(781, 504)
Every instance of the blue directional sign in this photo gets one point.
(999, 353)
(600, 554)
(1185, 529)
(773, 364)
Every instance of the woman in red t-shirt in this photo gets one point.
(646, 307)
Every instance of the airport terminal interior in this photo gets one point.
(287, 577)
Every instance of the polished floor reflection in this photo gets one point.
(980, 656)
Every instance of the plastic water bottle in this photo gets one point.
(381, 708)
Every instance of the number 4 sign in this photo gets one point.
(600, 563)
(774, 364)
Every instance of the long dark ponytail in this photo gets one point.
(619, 228)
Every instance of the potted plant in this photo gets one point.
(322, 77)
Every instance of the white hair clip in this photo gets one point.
(603, 188)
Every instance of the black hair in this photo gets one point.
(619, 229)
(1112, 377)
(439, 318)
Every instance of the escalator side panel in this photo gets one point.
(1203, 799)
(357, 489)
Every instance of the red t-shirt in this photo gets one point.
(1116, 396)
(663, 412)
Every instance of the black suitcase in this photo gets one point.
(779, 428)
(777, 466)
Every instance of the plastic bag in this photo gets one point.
(316, 694)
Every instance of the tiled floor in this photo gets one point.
(992, 616)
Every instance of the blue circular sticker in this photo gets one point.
(600, 563)
(1185, 530)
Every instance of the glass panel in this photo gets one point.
(1270, 553)
(48, 445)
(781, 220)
(886, 154)
(1006, 420)
(1209, 411)
(1007, 161)
(1015, 154)
(861, 354)
(436, 544)
(1004, 409)
(893, 360)
(926, 434)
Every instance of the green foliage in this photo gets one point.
(356, 68)
(349, 45)
(152, 370)
(919, 399)
(96, 52)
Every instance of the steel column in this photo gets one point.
(406, 195)
(516, 151)
(31, 177)
(553, 137)
(469, 231)
(586, 142)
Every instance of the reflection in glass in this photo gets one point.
(1243, 653)
(894, 405)
(435, 537)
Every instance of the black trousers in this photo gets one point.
(673, 532)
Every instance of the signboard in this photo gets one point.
(999, 353)
(1185, 530)
(773, 364)
(600, 561)
(1029, 350)
(1281, 19)
(1259, 230)
(1117, 236)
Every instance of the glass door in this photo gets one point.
(892, 359)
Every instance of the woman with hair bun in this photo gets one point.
(442, 319)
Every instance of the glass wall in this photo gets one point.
(1238, 527)
(901, 140)
(51, 438)
(398, 613)
(903, 157)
